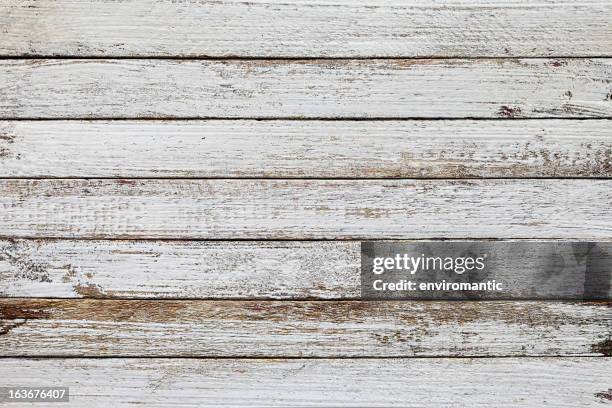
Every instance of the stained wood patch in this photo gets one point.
(255, 270)
(330, 383)
(296, 28)
(87, 327)
(489, 88)
(303, 149)
(296, 209)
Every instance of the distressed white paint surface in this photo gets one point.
(290, 148)
(86, 327)
(175, 269)
(490, 88)
(240, 270)
(295, 209)
(506, 382)
(302, 28)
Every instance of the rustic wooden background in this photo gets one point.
(184, 185)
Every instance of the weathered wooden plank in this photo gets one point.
(432, 382)
(297, 28)
(490, 88)
(314, 209)
(299, 149)
(186, 328)
(261, 270)
(179, 269)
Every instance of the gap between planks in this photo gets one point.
(305, 358)
(294, 118)
(289, 58)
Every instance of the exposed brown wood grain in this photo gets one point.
(306, 149)
(434, 88)
(308, 328)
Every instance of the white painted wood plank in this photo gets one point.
(179, 269)
(437, 382)
(187, 328)
(314, 209)
(247, 270)
(302, 28)
(298, 149)
(489, 88)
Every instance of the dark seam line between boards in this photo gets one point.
(293, 118)
(354, 300)
(259, 178)
(303, 300)
(195, 357)
(119, 237)
(288, 58)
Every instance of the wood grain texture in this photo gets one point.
(304, 149)
(489, 88)
(179, 269)
(260, 270)
(507, 382)
(302, 28)
(313, 209)
(87, 327)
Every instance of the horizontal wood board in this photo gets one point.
(298, 28)
(187, 328)
(506, 382)
(398, 88)
(255, 270)
(307, 149)
(313, 209)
